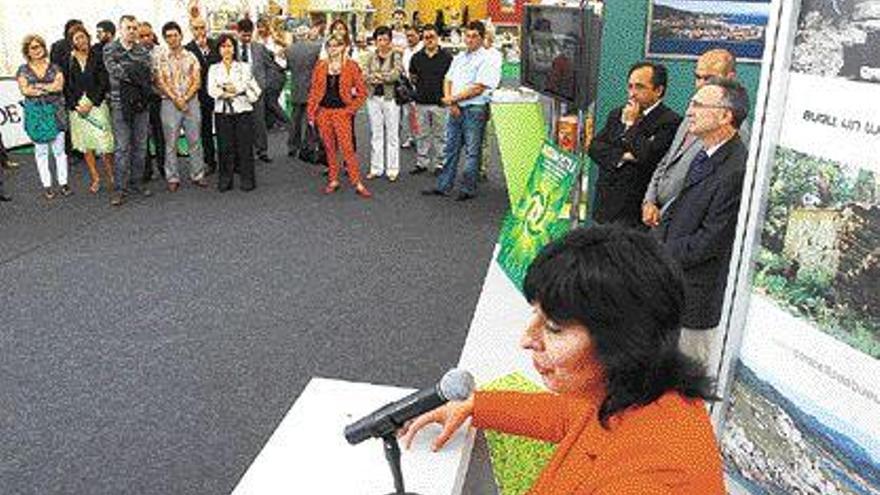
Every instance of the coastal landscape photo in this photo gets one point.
(687, 28)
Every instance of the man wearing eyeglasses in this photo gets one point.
(627, 150)
(698, 226)
(669, 175)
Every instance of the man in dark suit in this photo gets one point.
(699, 225)
(634, 139)
(260, 58)
(302, 55)
(206, 53)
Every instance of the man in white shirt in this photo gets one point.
(465, 95)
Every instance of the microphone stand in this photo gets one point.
(392, 455)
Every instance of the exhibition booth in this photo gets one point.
(801, 323)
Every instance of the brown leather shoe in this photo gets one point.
(203, 182)
(363, 192)
(173, 186)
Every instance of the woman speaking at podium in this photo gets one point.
(625, 407)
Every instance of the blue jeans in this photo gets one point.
(465, 130)
(131, 148)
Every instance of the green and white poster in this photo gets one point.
(535, 220)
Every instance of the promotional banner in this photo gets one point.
(535, 221)
(11, 114)
(805, 401)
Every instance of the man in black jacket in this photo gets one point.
(206, 52)
(634, 139)
(699, 225)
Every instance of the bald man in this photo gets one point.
(669, 175)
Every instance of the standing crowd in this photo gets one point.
(127, 101)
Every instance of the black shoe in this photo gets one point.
(265, 158)
(4, 198)
(437, 171)
(463, 196)
(292, 153)
(433, 192)
(141, 191)
(418, 170)
(210, 169)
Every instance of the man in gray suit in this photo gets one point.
(302, 55)
(670, 173)
(260, 58)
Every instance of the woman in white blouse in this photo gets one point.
(234, 90)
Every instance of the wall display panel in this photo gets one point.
(804, 400)
(687, 28)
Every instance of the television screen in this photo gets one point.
(556, 58)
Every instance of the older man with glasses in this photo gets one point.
(699, 225)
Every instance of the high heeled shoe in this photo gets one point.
(362, 191)
(331, 188)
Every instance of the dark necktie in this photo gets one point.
(245, 56)
(697, 167)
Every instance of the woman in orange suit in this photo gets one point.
(336, 94)
(625, 406)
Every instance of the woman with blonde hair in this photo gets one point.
(87, 86)
(41, 83)
(336, 93)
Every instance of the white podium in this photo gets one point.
(308, 454)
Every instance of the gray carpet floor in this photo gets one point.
(154, 348)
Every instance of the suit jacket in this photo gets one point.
(669, 176)
(698, 229)
(352, 87)
(302, 56)
(621, 185)
(260, 60)
(664, 447)
(205, 62)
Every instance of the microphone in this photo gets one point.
(456, 384)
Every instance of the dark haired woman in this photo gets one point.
(336, 93)
(86, 87)
(625, 406)
(234, 89)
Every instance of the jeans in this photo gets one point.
(466, 131)
(131, 148)
(191, 121)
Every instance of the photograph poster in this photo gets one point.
(687, 28)
(805, 397)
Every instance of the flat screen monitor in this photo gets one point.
(560, 48)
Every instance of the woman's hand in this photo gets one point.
(450, 416)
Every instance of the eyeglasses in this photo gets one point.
(429, 36)
(702, 77)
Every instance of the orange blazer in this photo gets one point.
(351, 86)
(665, 447)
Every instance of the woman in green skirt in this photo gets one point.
(87, 84)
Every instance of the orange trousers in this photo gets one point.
(334, 126)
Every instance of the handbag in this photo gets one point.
(40, 123)
(312, 150)
(404, 92)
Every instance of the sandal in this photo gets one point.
(95, 186)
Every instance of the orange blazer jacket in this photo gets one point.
(666, 447)
(352, 88)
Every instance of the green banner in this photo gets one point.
(535, 221)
